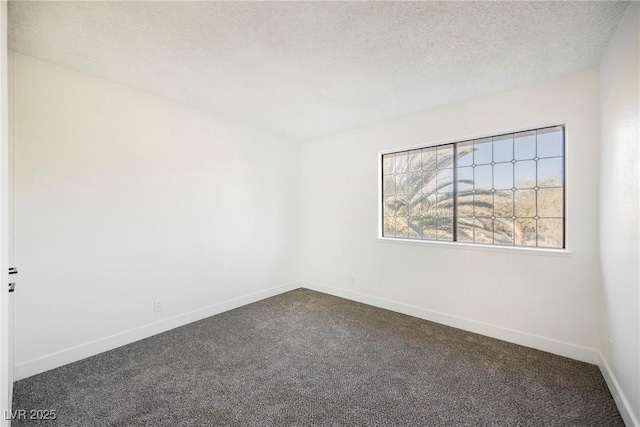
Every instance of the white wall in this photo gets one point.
(123, 198)
(539, 299)
(6, 361)
(620, 213)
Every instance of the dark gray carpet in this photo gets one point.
(306, 358)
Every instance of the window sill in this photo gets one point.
(478, 247)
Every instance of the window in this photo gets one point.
(503, 190)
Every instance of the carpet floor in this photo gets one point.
(305, 358)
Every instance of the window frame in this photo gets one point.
(565, 251)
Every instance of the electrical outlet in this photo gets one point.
(353, 281)
(157, 306)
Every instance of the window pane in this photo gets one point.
(483, 231)
(401, 206)
(429, 181)
(550, 203)
(430, 228)
(445, 156)
(444, 205)
(388, 162)
(525, 174)
(402, 227)
(482, 151)
(465, 204)
(389, 227)
(389, 206)
(445, 229)
(388, 184)
(503, 231)
(414, 228)
(550, 142)
(401, 162)
(445, 180)
(429, 158)
(416, 204)
(429, 205)
(414, 182)
(415, 161)
(465, 229)
(465, 153)
(525, 232)
(401, 184)
(503, 148)
(503, 176)
(503, 203)
(550, 233)
(524, 145)
(550, 172)
(525, 203)
(465, 179)
(483, 205)
(483, 177)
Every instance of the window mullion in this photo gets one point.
(455, 192)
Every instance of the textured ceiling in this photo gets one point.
(307, 69)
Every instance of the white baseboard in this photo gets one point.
(74, 354)
(560, 348)
(630, 419)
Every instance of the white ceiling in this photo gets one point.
(307, 69)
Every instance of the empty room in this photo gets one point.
(319, 213)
